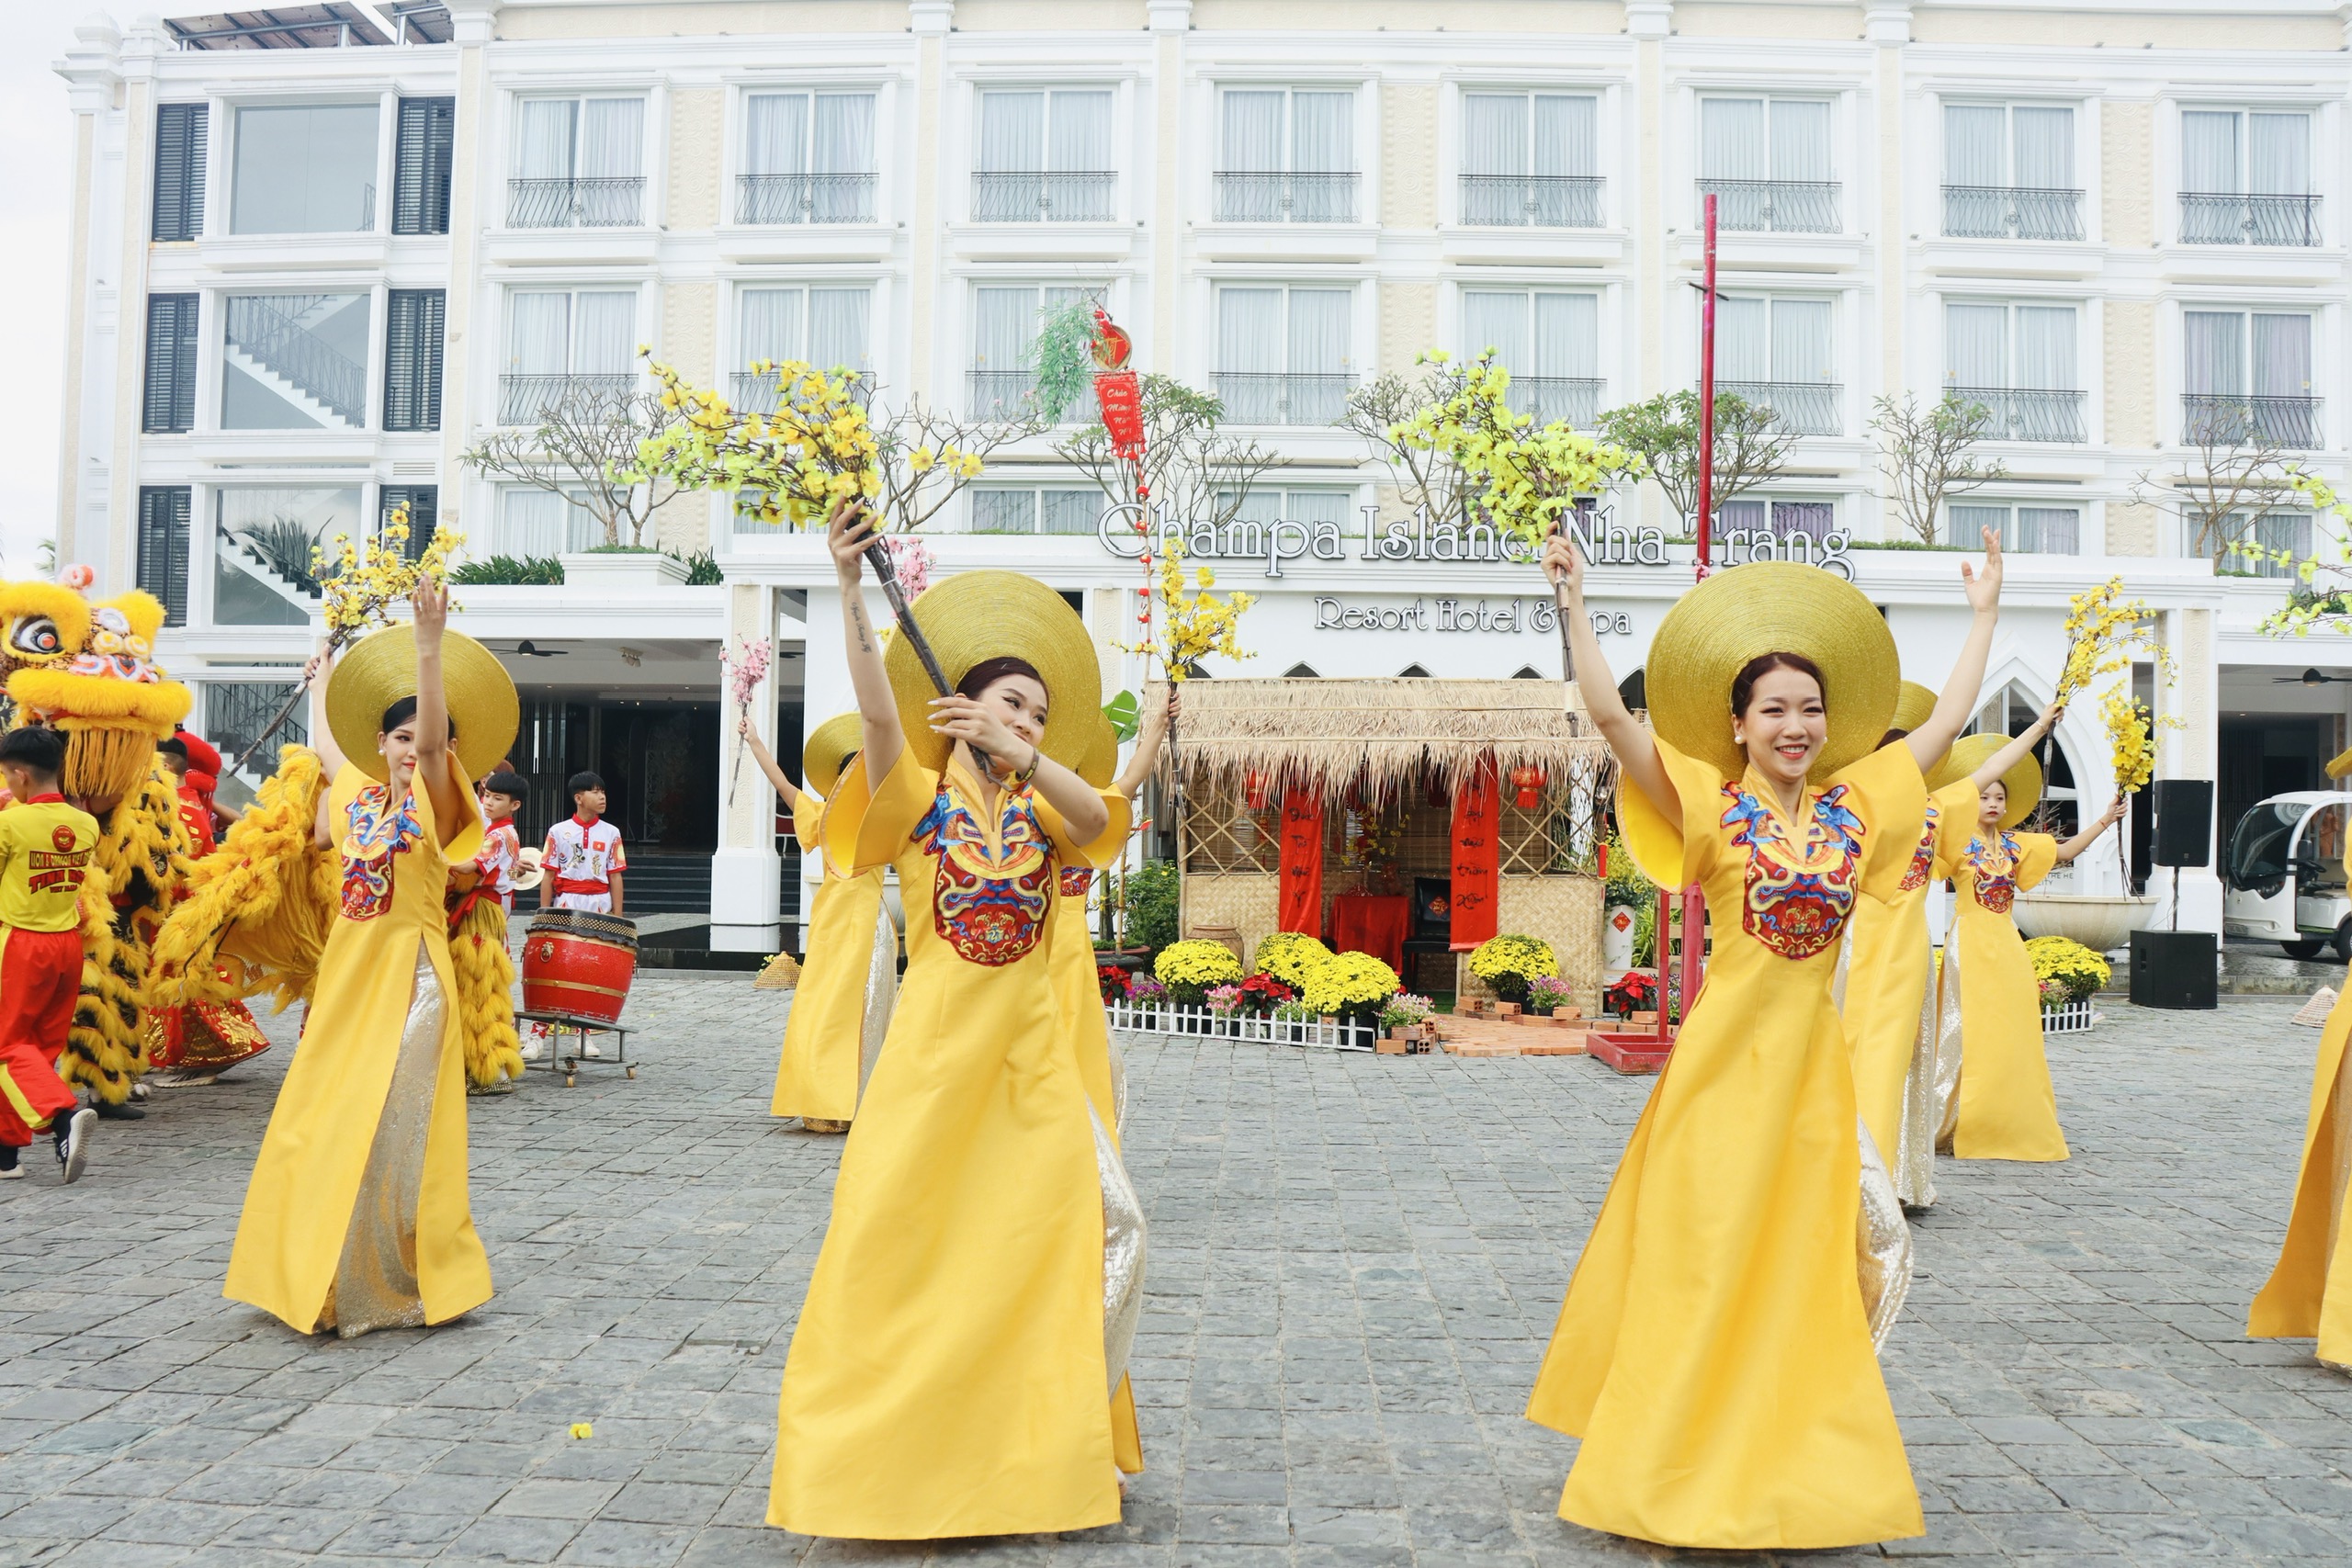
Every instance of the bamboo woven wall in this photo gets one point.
(1248, 901)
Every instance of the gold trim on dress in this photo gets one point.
(375, 1283)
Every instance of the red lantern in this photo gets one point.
(1255, 787)
(1527, 779)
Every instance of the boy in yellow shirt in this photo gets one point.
(45, 847)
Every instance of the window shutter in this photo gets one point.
(421, 158)
(162, 547)
(424, 503)
(413, 359)
(170, 392)
(179, 171)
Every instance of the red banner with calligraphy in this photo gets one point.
(1119, 395)
(1477, 848)
(1301, 865)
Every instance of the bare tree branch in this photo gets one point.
(1431, 482)
(1928, 455)
(584, 448)
(2236, 475)
(1195, 471)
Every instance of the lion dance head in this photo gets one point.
(86, 668)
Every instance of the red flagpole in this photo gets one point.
(1705, 523)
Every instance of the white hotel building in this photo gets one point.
(321, 251)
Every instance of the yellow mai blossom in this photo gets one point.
(920, 459)
(1530, 480)
(1182, 628)
(363, 586)
(2105, 632)
(2129, 733)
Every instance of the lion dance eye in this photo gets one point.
(36, 635)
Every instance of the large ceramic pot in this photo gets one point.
(1617, 937)
(2100, 921)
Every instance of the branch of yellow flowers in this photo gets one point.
(360, 593)
(2105, 633)
(2307, 606)
(1185, 622)
(2130, 733)
(820, 446)
(1530, 479)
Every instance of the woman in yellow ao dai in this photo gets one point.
(949, 1375)
(2007, 1109)
(1715, 1352)
(849, 973)
(2309, 1295)
(357, 1217)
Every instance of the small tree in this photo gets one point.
(1751, 445)
(585, 450)
(1928, 455)
(2236, 475)
(1429, 477)
(1196, 470)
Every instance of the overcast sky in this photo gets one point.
(35, 185)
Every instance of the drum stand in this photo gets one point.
(581, 1028)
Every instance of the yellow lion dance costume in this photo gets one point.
(86, 668)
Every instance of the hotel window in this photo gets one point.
(1549, 342)
(1776, 351)
(169, 394)
(424, 503)
(1044, 157)
(421, 158)
(1531, 160)
(304, 170)
(1778, 519)
(2246, 379)
(2245, 179)
(566, 345)
(2028, 530)
(2009, 172)
(535, 524)
(1768, 163)
(1036, 509)
(1289, 155)
(2016, 362)
(1004, 338)
(179, 171)
(808, 158)
(262, 567)
(162, 547)
(825, 328)
(2268, 532)
(293, 361)
(578, 163)
(1283, 354)
(413, 358)
(1270, 504)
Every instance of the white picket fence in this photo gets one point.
(2072, 1019)
(1331, 1035)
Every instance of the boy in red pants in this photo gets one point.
(45, 847)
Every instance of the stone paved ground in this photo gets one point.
(1355, 1263)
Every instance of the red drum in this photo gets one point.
(577, 964)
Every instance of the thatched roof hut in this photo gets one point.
(1382, 735)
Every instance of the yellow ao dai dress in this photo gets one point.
(950, 1375)
(2006, 1108)
(849, 984)
(1715, 1352)
(2310, 1292)
(357, 1216)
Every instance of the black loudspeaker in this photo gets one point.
(2184, 810)
(2174, 969)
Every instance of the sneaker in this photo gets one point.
(73, 1143)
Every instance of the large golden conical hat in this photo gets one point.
(381, 669)
(975, 616)
(1744, 612)
(1970, 752)
(829, 748)
(1101, 764)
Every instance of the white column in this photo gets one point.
(745, 871)
(2193, 751)
(89, 68)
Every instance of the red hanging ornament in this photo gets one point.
(1256, 787)
(1526, 780)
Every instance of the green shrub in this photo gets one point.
(510, 572)
(1151, 894)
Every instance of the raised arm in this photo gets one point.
(315, 674)
(2010, 756)
(1636, 753)
(1080, 803)
(848, 531)
(453, 809)
(1934, 738)
(783, 787)
(1153, 736)
(2072, 847)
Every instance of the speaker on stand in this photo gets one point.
(2176, 969)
